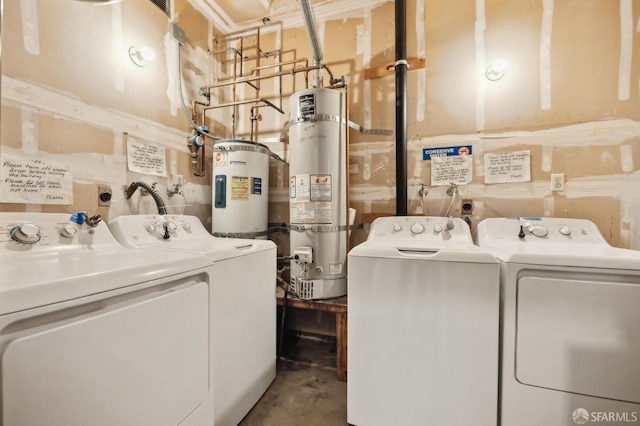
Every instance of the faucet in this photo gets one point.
(151, 189)
(450, 225)
(422, 192)
(453, 192)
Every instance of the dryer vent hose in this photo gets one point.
(162, 209)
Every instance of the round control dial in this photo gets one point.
(26, 233)
(397, 227)
(417, 228)
(539, 231)
(186, 226)
(565, 231)
(172, 227)
(68, 231)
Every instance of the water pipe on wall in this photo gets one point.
(401, 65)
(151, 190)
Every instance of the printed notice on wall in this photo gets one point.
(446, 170)
(146, 158)
(507, 167)
(35, 181)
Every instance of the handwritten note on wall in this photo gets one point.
(146, 158)
(507, 167)
(35, 181)
(446, 170)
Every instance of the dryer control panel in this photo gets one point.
(43, 232)
(563, 230)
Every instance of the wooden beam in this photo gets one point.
(385, 70)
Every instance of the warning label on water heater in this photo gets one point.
(310, 199)
(239, 188)
(307, 104)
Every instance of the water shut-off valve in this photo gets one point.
(197, 138)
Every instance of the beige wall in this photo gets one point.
(70, 94)
(579, 116)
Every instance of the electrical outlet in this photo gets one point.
(466, 206)
(104, 196)
(557, 182)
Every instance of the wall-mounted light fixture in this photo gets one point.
(496, 71)
(141, 55)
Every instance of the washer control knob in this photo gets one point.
(437, 229)
(172, 227)
(539, 231)
(68, 231)
(186, 226)
(151, 227)
(417, 228)
(565, 231)
(26, 233)
(397, 227)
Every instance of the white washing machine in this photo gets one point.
(94, 334)
(422, 326)
(243, 304)
(570, 323)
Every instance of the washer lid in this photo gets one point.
(552, 241)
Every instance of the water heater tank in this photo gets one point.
(240, 189)
(318, 193)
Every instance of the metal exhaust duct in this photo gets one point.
(401, 107)
(316, 45)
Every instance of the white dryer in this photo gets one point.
(422, 326)
(570, 335)
(242, 301)
(94, 334)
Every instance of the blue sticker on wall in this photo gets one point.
(447, 151)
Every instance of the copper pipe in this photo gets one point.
(277, 74)
(305, 61)
(230, 36)
(245, 102)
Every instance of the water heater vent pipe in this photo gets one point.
(316, 45)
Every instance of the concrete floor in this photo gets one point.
(305, 391)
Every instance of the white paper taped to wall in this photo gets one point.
(146, 158)
(35, 181)
(447, 170)
(507, 167)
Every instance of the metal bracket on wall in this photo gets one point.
(389, 69)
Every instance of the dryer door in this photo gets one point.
(135, 359)
(580, 334)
